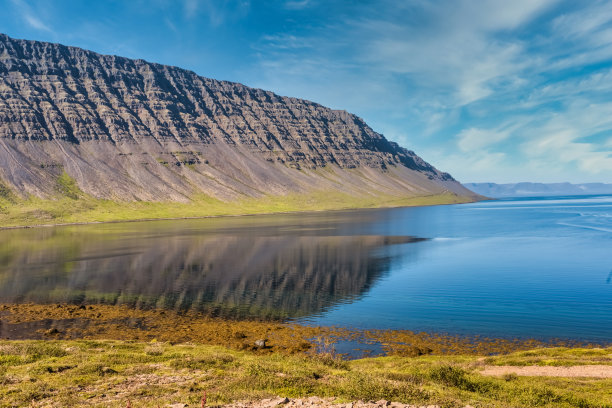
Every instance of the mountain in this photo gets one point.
(74, 123)
(538, 189)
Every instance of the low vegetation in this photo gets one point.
(71, 205)
(122, 322)
(110, 373)
(67, 187)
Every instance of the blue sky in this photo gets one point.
(498, 91)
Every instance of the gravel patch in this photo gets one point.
(593, 371)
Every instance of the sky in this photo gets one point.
(490, 91)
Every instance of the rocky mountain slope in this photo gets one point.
(131, 130)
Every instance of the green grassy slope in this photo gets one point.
(71, 205)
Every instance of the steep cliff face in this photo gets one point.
(133, 130)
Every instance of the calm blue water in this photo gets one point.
(538, 267)
(524, 267)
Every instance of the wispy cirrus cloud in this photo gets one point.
(458, 50)
(190, 8)
(298, 4)
(217, 12)
(284, 42)
(557, 145)
(30, 17)
(36, 23)
(576, 136)
(477, 139)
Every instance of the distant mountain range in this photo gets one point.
(526, 189)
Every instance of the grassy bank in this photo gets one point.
(110, 373)
(73, 206)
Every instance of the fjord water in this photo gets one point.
(538, 267)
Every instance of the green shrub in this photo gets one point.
(68, 187)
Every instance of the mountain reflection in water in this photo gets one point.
(262, 271)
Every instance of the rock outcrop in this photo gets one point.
(133, 130)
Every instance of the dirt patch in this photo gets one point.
(321, 402)
(593, 371)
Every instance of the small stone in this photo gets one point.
(274, 402)
(261, 343)
(179, 405)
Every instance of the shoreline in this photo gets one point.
(417, 201)
(59, 321)
(204, 217)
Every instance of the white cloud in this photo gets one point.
(569, 145)
(475, 139)
(217, 12)
(284, 41)
(29, 16)
(170, 25)
(563, 148)
(596, 86)
(190, 8)
(566, 138)
(457, 50)
(472, 166)
(298, 4)
(585, 23)
(579, 37)
(36, 23)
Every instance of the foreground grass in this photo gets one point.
(109, 373)
(73, 206)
